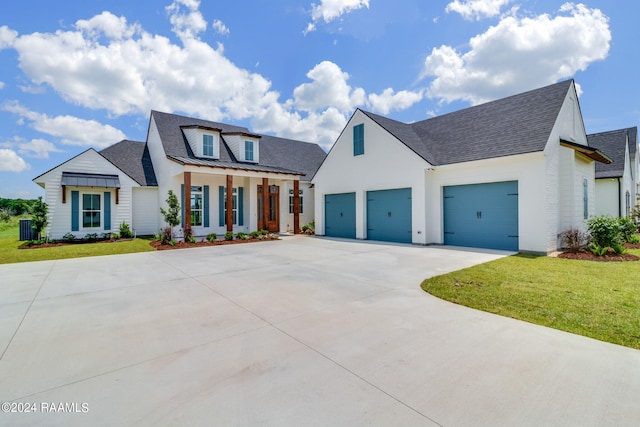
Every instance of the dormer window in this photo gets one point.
(248, 151)
(207, 145)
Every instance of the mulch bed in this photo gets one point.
(73, 242)
(182, 245)
(608, 257)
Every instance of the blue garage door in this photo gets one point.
(482, 215)
(389, 215)
(340, 215)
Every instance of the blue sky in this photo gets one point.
(87, 73)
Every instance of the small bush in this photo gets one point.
(619, 249)
(228, 235)
(92, 237)
(125, 231)
(116, 236)
(69, 237)
(598, 250)
(5, 215)
(172, 242)
(634, 239)
(166, 235)
(254, 234)
(264, 232)
(309, 228)
(635, 215)
(574, 239)
(187, 233)
(212, 237)
(241, 236)
(628, 228)
(605, 231)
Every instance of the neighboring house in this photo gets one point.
(509, 174)
(616, 182)
(210, 166)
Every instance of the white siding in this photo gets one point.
(306, 216)
(236, 145)
(59, 215)
(386, 164)
(607, 196)
(195, 138)
(146, 212)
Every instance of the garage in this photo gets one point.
(340, 215)
(389, 215)
(482, 215)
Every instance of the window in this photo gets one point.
(207, 145)
(291, 202)
(627, 203)
(585, 198)
(196, 205)
(358, 140)
(234, 207)
(91, 210)
(248, 151)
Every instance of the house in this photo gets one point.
(616, 182)
(226, 177)
(509, 174)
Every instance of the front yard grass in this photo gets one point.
(9, 252)
(600, 300)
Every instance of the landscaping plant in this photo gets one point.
(574, 240)
(228, 235)
(171, 216)
(125, 231)
(39, 216)
(212, 237)
(605, 231)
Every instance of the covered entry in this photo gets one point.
(482, 215)
(340, 215)
(389, 215)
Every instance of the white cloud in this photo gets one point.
(519, 54)
(220, 28)
(328, 88)
(1, 85)
(189, 24)
(388, 100)
(38, 148)
(7, 37)
(476, 9)
(71, 130)
(328, 10)
(11, 162)
(108, 25)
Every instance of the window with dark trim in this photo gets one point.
(207, 145)
(291, 202)
(196, 205)
(248, 151)
(358, 140)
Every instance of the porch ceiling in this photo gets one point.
(225, 166)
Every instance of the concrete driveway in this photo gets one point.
(298, 332)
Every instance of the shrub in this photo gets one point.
(605, 231)
(166, 235)
(309, 228)
(39, 216)
(241, 236)
(92, 237)
(254, 234)
(574, 239)
(619, 249)
(635, 215)
(628, 228)
(264, 232)
(212, 237)
(228, 235)
(116, 236)
(598, 250)
(125, 231)
(634, 239)
(187, 233)
(69, 237)
(5, 215)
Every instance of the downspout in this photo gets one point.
(619, 198)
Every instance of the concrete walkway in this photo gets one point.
(299, 332)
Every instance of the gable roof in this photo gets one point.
(614, 144)
(132, 158)
(278, 155)
(517, 124)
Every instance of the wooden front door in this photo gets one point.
(272, 209)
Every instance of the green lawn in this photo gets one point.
(9, 252)
(600, 300)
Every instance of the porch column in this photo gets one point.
(296, 207)
(265, 202)
(229, 213)
(186, 221)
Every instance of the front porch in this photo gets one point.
(216, 200)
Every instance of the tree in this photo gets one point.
(39, 211)
(172, 214)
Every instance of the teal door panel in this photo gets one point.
(389, 215)
(482, 215)
(340, 215)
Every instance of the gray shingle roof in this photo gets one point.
(613, 144)
(132, 158)
(277, 155)
(517, 124)
(633, 140)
